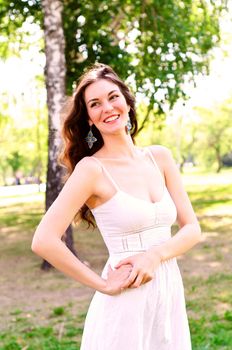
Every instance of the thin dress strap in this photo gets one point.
(106, 172)
(156, 165)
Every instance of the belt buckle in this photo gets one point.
(125, 244)
(132, 242)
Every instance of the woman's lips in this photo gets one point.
(111, 118)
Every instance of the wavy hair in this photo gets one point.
(76, 127)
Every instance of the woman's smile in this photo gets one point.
(112, 118)
(106, 105)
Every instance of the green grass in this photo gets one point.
(64, 331)
(205, 197)
(54, 319)
(214, 332)
(25, 215)
(63, 334)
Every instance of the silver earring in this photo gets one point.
(90, 139)
(128, 126)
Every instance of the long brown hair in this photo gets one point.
(76, 127)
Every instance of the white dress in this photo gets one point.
(153, 316)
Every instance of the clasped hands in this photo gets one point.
(132, 272)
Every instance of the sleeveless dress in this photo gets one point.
(153, 316)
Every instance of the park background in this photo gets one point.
(176, 57)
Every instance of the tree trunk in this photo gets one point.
(182, 163)
(219, 161)
(55, 72)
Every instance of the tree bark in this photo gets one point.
(55, 72)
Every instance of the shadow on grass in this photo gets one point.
(204, 197)
(23, 216)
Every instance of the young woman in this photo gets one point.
(135, 195)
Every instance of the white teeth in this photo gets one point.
(111, 118)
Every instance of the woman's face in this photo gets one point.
(106, 106)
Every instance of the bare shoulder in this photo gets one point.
(83, 181)
(162, 155)
(89, 166)
(85, 176)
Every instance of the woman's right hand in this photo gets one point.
(116, 278)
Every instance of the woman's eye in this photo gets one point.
(113, 97)
(94, 104)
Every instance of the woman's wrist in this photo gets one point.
(156, 252)
(105, 288)
(102, 286)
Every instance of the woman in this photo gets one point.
(135, 195)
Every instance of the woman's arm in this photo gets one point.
(189, 233)
(47, 241)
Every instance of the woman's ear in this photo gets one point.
(128, 108)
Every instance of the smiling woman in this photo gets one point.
(110, 107)
(134, 195)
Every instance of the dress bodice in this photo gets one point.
(126, 221)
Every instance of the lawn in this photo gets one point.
(46, 310)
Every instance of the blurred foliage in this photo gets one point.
(202, 138)
(15, 160)
(215, 130)
(23, 143)
(159, 45)
(13, 16)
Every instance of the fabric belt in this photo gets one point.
(139, 241)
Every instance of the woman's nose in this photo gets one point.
(107, 106)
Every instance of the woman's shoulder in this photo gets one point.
(88, 165)
(162, 155)
(160, 152)
(164, 159)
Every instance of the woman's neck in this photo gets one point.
(118, 147)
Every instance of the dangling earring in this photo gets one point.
(90, 139)
(128, 126)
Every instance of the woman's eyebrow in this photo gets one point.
(96, 99)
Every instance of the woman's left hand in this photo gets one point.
(143, 268)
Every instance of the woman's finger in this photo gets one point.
(126, 261)
(130, 279)
(137, 282)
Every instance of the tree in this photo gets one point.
(157, 44)
(214, 133)
(55, 71)
(15, 161)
